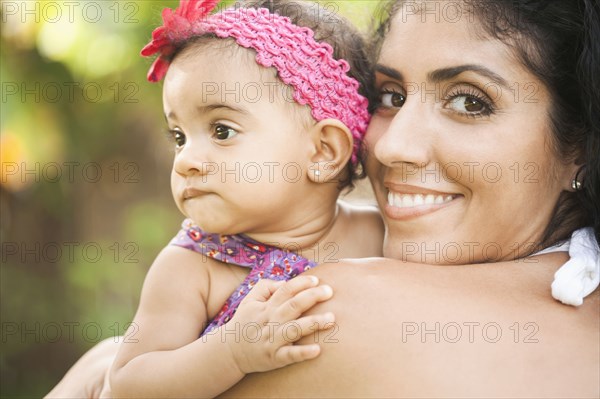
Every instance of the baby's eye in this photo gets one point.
(223, 132)
(178, 137)
(392, 99)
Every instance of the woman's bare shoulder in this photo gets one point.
(477, 330)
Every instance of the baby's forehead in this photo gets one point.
(221, 70)
(223, 62)
(226, 57)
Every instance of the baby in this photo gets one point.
(263, 105)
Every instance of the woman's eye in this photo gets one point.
(469, 105)
(223, 132)
(392, 99)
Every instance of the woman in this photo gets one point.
(413, 330)
(492, 104)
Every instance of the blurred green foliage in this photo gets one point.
(85, 201)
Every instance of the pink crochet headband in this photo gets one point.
(307, 66)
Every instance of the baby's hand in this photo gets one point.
(270, 322)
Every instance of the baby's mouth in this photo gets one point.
(191, 192)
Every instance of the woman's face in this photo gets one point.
(461, 159)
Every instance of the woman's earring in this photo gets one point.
(576, 184)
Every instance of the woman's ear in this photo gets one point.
(333, 149)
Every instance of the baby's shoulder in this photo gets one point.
(197, 274)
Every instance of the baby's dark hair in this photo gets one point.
(328, 27)
(559, 42)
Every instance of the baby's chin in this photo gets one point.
(213, 226)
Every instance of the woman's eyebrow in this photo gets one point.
(388, 71)
(444, 74)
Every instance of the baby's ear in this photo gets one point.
(333, 150)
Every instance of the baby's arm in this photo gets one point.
(162, 356)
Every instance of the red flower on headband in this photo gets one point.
(177, 26)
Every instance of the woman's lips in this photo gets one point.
(408, 202)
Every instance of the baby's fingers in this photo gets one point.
(263, 290)
(303, 301)
(307, 325)
(289, 354)
(293, 287)
(302, 327)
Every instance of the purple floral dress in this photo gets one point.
(265, 261)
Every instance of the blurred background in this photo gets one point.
(85, 203)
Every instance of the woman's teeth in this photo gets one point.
(411, 200)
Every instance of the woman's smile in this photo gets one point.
(407, 201)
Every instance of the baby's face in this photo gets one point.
(241, 153)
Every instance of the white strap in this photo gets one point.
(580, 276)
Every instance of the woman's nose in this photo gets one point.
(407, 137)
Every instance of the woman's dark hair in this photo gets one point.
(328, 27)
(559, 42)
